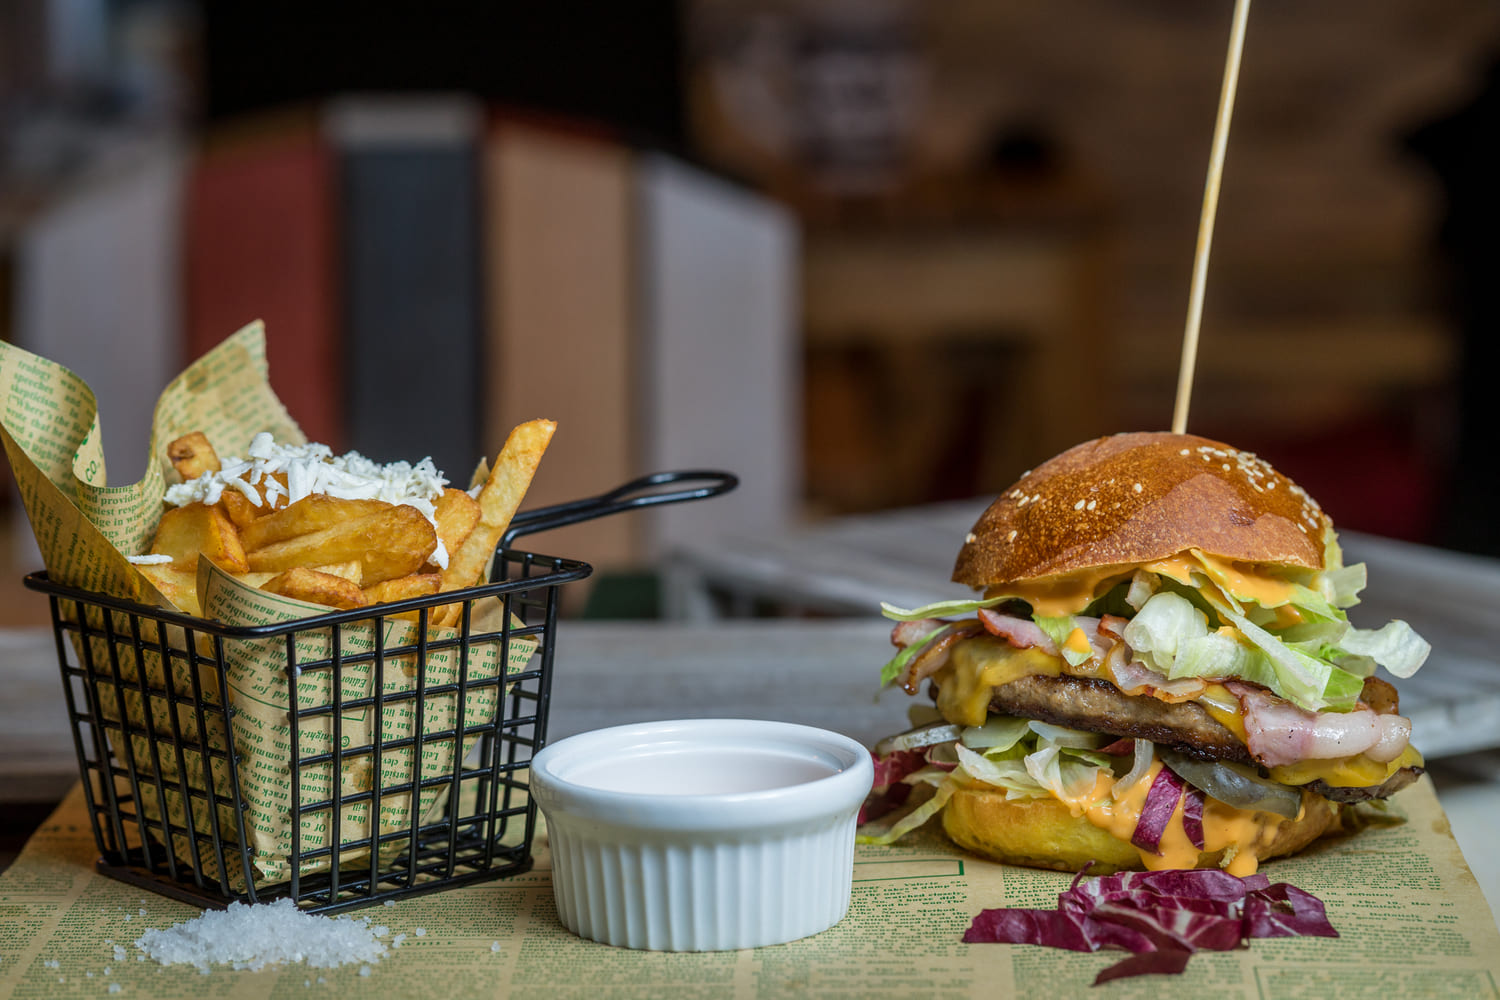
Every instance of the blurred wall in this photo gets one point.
(1327, 339)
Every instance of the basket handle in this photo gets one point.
(645, 491)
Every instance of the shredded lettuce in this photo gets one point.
(1058, 629)
(1304, 680)
(1010, 773)
(942, 609)
(999, 732)
(1194, 623)
(1395, 646)
(906, 824)
(1142, 586)
(1342, 584)
(1067, 774)
(1164, 623)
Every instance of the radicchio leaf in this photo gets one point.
(1192, 816)
(1284, 910)
(1168, 962)
(896, 765)
(1161, 802)
(1160, 917)
(878, 804)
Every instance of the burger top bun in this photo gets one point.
(1134, 498)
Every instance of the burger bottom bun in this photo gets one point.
(1043, 833)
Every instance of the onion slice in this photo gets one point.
(1236, 784)
(916, 739)
(1145, 753)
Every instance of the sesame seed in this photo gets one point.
(1139, 488)
(1225, 466)
(1093, 504)
(971, 537)
(1078, 505)
(1183, 452)
(1012, 536)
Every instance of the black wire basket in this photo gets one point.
(366, 809)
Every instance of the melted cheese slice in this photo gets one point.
(1071, 593)
(979, 665)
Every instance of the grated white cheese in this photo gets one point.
(314, 468)
(253, 937)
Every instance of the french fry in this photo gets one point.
(456, 514)
(188, 532)
(240, 510)
(501, 495)
(309, 585)
(343, 553)
(402, 587)
(191, 455)
(179, 586)
(353, 571)
(310, 514)
(387, 543)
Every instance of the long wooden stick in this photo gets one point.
(1206, 219)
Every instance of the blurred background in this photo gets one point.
(868, 255)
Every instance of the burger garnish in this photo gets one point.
(1159, 671)
(1161, 918)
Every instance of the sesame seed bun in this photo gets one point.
(1043, 833)
(1133, 498)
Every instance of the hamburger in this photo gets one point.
(1158, 671)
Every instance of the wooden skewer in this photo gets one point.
(1206, 219)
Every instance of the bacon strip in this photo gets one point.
(1134, 677)
(907, 633)
(932, 657)
(1022, 633)
(1278, 732)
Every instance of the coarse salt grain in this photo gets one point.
(253, 937)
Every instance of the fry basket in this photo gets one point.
(163, 756)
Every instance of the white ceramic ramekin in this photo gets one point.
(702, 834)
